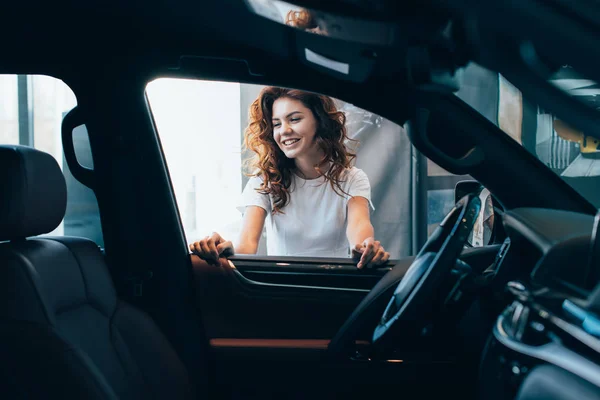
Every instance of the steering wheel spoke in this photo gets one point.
(429, 269)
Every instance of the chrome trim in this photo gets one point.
(329, 263)
(553, 353)
(311, 273)
(281, 285)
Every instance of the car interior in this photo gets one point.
(498, 299)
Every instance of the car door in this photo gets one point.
(265, 314)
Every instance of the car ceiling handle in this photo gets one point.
(72, 120)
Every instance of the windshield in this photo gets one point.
(571, 154)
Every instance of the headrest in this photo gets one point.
(33, 192)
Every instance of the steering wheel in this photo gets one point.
(420, 282)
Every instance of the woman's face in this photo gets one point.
(294, 128)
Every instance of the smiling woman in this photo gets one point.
(296, 133)
(303, 184)
(221, 144)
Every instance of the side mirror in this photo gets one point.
(483, 231)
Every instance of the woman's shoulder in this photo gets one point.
(255, 177)
(255, 181)
(353, 173)
(353, 177)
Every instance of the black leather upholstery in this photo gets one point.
(61, 322)
(33, 193)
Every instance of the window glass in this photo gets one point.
(571, 154)
(439, 204)
(440, 193)
(9, 122)
(201, 126)
(31, 111)
(441, 183)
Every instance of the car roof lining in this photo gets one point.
(150, 52)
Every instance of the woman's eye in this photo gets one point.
(295, 119)
(276, 125)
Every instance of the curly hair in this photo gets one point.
(270, 163)
(301, 19)
(305, 20)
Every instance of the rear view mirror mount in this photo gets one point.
(346, 39)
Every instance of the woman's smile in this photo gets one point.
(290, 142)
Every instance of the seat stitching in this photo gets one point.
(85, 288)
(110, 327)
(113, 328)
(91, 303)
(74, 306)
(79, 264)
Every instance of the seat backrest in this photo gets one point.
(56, 292)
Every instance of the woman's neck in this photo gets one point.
(306, 166)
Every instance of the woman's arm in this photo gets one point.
(211, 248)
(360, 233)
(359, 221)
(252, 227)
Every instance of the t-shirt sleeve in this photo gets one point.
(359, 186)
(251, 197)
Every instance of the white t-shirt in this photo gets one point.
(313, 223)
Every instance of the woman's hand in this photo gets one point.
(212, 247)
(370, 253)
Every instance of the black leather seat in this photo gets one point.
(63, 331)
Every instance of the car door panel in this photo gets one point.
(269, 326)
(263, 298)
(254, 301)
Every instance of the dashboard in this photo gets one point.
(559, 241)
(546, 340)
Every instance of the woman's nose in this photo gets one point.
(286, 128)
